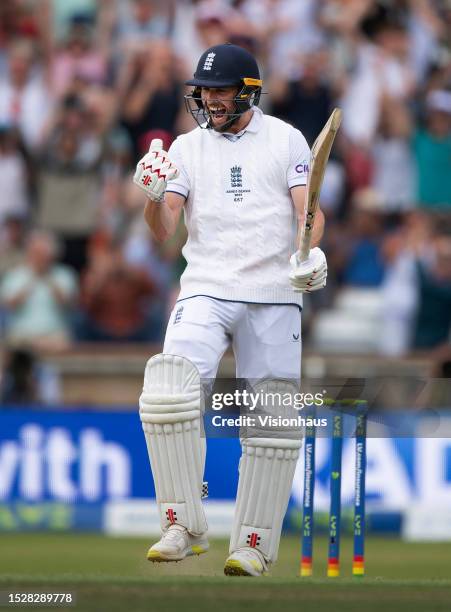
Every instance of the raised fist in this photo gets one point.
(154, 171)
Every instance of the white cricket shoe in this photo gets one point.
(246, 562)
(176, 544)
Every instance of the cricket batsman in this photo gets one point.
(240, 178)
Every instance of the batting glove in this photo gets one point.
(154, 171)
(309, 275)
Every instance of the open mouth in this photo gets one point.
(217, 111)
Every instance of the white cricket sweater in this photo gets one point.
(239, 214)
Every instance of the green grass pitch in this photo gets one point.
(112, 574)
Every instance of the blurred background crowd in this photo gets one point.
(86, 84)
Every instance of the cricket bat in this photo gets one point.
(318, 162)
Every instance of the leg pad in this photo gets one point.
(170, 412)
(266, 475)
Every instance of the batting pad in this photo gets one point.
(266, 475)
(170, 413)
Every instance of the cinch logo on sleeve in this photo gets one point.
(301, 168)
(209, 61)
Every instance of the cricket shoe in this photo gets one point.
(246, 562)
(176, 544)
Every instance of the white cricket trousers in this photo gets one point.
(265, 338)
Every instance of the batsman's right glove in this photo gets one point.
(309, 275)
(154, 171)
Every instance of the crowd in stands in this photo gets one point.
(84, 87)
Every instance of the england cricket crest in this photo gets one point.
(236, 176)
(236, 184)
(209, 61)
(178, 315)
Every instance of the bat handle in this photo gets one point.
(305, 235)
(156, 143)
(304, 251)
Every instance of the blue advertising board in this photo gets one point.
(59, 468)
(90, 457)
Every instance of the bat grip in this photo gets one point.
(304, 251)
(306, 238)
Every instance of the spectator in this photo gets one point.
(236, 22)
(25, 101)
(358, 257)
(116, 300)
(152, 98)
(26, 380)
(78, 58)
(116, 175)
(432, 148)
(381, 69)
(14, 176)
(137, 22)
(292, 30)
(417, 286)
(211, 19)
(401, 248)
(39, 296)
(18, 19)
(12, 251)
(18, 378)
(393, 166)
(426, 29)
(197, 26)
(69, 180)
(12, 243)
(433, 322)
(64, 12)
(305, 102)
